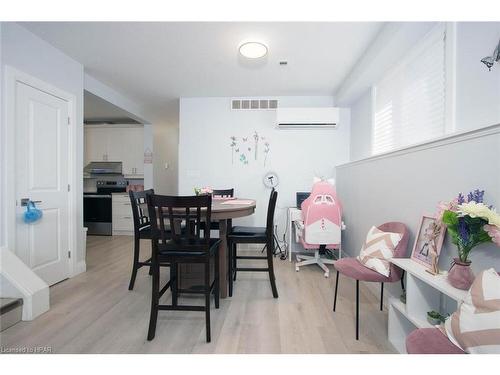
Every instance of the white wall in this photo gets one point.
(206, 125)
(405, 185)
(477, 89)
(28, 53)
(166, 146)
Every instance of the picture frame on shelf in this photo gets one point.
(428, 243)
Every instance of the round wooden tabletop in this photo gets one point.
(222, 209)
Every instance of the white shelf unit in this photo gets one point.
(424, 292)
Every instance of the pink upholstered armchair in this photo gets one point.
(321, 225)
(430, 341)
(352, 267)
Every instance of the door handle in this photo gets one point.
(25, 201)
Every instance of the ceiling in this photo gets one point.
(156, 63)
(99, 110)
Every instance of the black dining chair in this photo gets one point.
(220, 193)
(181, 246)
(254, 235)
(142, 231)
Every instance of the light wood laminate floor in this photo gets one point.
(94, 312)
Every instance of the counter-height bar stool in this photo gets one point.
(182, 246)
(254, 235)
(142, 231)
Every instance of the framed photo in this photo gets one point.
(428, 242)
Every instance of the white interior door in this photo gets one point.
(41, 125)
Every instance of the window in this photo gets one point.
(409, 101)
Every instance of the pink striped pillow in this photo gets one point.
(378, 250)
(475, 326)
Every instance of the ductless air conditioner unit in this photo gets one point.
(302, 118)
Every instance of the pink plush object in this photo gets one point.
(493, 232)
(322, 214)
(430, 341)
(351, 267)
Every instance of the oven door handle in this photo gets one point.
(96, 196)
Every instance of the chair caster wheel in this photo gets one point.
(296, 269)
(327, 275)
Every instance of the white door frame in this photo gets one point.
(12, 76)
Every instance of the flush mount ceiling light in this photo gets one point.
(253, 50)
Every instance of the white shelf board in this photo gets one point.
(400, 306)
(438, 282)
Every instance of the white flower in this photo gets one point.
(474, 209)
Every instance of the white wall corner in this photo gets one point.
(99, 89)
(19, 281)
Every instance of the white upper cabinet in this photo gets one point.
(95, 144)
(133, 151)
(123, 143)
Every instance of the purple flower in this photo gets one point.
(476, 196)
(460, 198)
(463, 230)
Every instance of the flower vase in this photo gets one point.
(460, 275)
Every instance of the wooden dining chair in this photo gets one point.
(221, 193)
(181, 246)
(254, 235)
(142, 231)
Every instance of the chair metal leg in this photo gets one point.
(403, 281)
(272, 278)
(135, 266)
(207, 300)
(336, 288)
(381, 296)
(357, 309)
(155, 300)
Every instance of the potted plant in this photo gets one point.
(470, 223)
(435, 318)
(203, 191)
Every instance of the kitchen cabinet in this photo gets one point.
(123, 143)
(122, 214)
(95, 139)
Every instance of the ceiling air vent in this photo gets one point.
(254, 104)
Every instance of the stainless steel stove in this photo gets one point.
(97, 207)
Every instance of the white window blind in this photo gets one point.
(409, 105)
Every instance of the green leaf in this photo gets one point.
(450, 218)
(454, 235)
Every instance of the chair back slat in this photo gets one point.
(223, 193)
(185, 216)
(137, 202)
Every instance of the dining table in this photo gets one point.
(223, 211)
